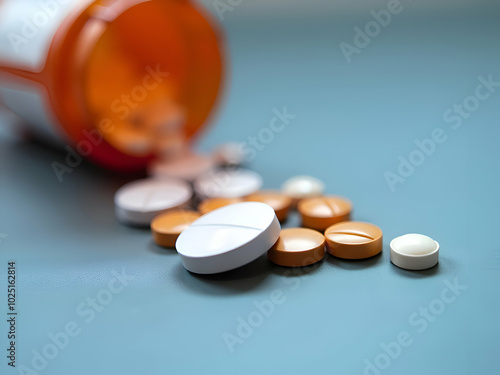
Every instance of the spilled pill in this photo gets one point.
(227, 183)
(138, 202)
(353, 240)
(168, 226)
(300, 187)
(278, 201)
(414, 252)
(321, 212)
(228, 238)
(213, 203)
(187, 166)
(297, 247)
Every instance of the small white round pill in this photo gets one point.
(414, 252)
(228, 183)
(300, 187)
(138, 202)
(228, 237)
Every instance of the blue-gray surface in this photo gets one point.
(353, 121)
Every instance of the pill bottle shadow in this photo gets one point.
(237, 281)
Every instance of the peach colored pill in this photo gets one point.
(353, 240)
(213, 203)
(278, 201)
(321, 212)
(168, 226)
(297, 247)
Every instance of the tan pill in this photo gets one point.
(213, 203)
(353, 240)
(297, 247)
(321, 212)
(168, 226)
(280, 202)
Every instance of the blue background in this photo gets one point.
(353, 122)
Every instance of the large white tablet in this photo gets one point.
(228, 237)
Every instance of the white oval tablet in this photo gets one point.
(414, 252)
(188, 167)
(138, 202)
(228, 183)
(228, 237)
(300, 187)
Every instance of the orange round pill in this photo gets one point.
(213, 203)
(297, 247)
(168, 226)
(353, 240)
(321, 212)
(280, 202)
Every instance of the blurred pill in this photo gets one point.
(213, 203)
(131, 141)
(138, 202)
(321, 212)
(227, 183)
(171, 147)
(280, 202)
(188, 166)
(168, 226)
(297, 247)
(300, 187)
(353, 240)
(229, 154)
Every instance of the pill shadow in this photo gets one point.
(445, 265)
(295, 271)
(161, 250)
(241, 280)
(355, 264)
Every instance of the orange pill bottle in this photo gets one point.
(92, 76)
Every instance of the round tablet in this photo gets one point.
(226, 183)
(187, 166)
(298, 247)
(138, 202)
(299, 187)
(228, 238)
(168, 226)
(280, 202)
(414, 252)
(353, 240)
(213, 203)
(321, 212)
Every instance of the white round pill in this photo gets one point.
(299, 187)
(414, 252)
(188, 166)
(227, 183)
(138, 202)
(228, 237)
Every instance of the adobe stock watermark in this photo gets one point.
(121, 106)
(419, 321)
(263, 309)
(454, 117)
(87, 311)
(223, 6)
(40, 18)
(363, 37)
